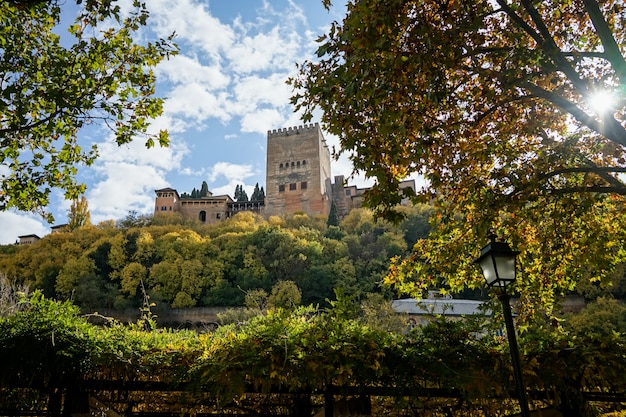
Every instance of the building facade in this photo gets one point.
(298, 179)
(297, 171)
(208, 209)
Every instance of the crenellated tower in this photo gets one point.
(298, 176)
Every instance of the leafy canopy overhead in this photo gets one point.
(54, 81)
(492, 102)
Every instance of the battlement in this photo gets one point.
(292, 130)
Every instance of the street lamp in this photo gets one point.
(497, 261)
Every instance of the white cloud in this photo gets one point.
(253, 91)
(194, 26)
(126, 187)
(182, 69)
(273, 50)
(261, 120)
(196, 102)
(233, 175)
(19, 224)
(135, 152)
(231, 172)
(126, 177)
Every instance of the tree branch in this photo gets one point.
(607, 127)
(592, 189)
(611, 48)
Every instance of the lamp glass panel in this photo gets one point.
(505, 265)
(489, 270)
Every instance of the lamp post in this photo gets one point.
(497, 261)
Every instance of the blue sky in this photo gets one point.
(223, 92)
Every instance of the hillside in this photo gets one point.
(183, 264)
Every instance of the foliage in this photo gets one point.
(303, 351)
(285, 295)
(240, 194)
(202, 192)
(600, 318)
(79, 214)
(490, 102)
(134, 219)
(333, 217)
(53, 85)
(258, 194)
(10, 295)
(45, 344)
(189, 264)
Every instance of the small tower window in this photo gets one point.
(292, 164)
(303, 185)
(202, 216)
(281, 165)
(281, 188)
(303, 162)
(292, 186)
(298, 164)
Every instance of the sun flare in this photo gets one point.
(601, 101)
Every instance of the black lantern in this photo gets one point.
(497, 260)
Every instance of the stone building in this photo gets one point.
(298, 179)
(208, 209)
(28, 239)
(297, 171)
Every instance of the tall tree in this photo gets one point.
(79, 214)
(240, 193)
(52, 86)
(333, 217)
(492, 102)
(204, 189)
(258, 194)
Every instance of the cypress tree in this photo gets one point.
(333, 217)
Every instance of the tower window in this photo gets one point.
(347, 192)
(281, 188)
(292, 164)
(292, 186)
(202, 216)
(163, 208)
(303, 185)
(303, 162)
(298, 164)
(281, 165)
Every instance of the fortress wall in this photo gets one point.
(297, 170)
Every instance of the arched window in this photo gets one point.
(202, 216)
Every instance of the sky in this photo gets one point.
(224, 91)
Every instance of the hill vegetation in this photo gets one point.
(185, 264)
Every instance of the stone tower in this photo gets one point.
(298, 171)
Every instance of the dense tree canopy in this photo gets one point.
(180, 265)
(55, 82)
(493, 103)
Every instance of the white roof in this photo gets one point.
(444, 306)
